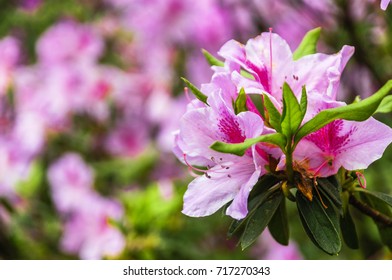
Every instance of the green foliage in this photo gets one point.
(212, 60)
(273, 114)
(320, 224)
(279, 224)
(260, 219)
(199, 95)
(349, 232)
(240, 102)
(359, 111)
(291, 115)
(240, 148)
(382, 207)
(308, 44)
(385, 105)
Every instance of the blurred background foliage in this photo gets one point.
(147, 46)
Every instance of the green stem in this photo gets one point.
(289, 163)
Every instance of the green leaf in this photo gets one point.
(359, 111)
(303, 103)
(258, 101)
(291, 116)
(349, 232)
(273, 113)
(246, 74)
(240, 102)
(212, 60)
(380, 205)
(279, 225)
(382, 196)
(259, 221)
(308, 44)
(319, 224)
(30, 186)
(240, 148)
(330, 188)
(263, 184)
(199, 95)
(256, 197)
(385, 105)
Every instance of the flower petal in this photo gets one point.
(205, 195)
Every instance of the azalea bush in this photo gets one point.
(99, 140)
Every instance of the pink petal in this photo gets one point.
(384, 4)
(205, 195)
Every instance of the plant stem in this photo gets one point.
(289, 163)
(367, 210)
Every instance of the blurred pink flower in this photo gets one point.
(128, 138)
(14, 167)
(267, 248)
(9, 56)
(89, 231)
(384, 4)
(67, 41)
(312, 14)
(71, 181)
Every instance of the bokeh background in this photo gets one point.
(90, 94)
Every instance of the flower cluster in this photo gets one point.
(259, 70)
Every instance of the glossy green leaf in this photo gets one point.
(257, 196)
(199, 95)
(380, 205)
(263, 184)
(260, 219)
(240, 102)
(279, 224)
(291, 115)
(240, 148)
(308, 44)
(303, 103)
(330, 188)
(320, 223)
(258, 101)
(348, 230)
(382, 196)
(273, 113)
(385, 105)
(212, 60)
(359, 111)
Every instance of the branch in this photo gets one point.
(367, 210)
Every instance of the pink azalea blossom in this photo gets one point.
(89, 232)
(9, 56)
(228, 177)
(67, 41)
(348, 144)
(269, 60)
(71, 181)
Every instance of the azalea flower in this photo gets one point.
(341, 143)
(227, 177)
(71, 181)
(9, 56)
(89, 231)
(269, 60)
